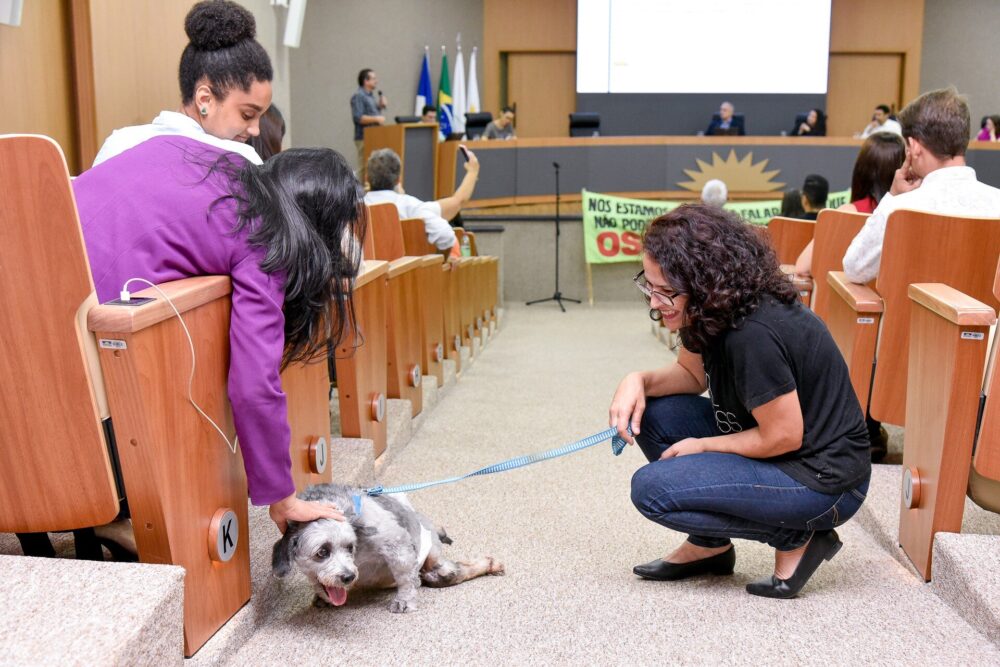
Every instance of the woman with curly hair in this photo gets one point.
(778, 451)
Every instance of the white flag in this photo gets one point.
(472, 103)
(458, 93)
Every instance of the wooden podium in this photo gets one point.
(416, 145)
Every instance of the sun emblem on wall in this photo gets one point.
(739, 174)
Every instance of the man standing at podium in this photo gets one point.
(366, 109)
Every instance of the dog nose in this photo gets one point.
(348, 578)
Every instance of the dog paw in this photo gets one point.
(400, 606)
(320, 603)
(497, 568)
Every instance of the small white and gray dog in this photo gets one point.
(388, 545)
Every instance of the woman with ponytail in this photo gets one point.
(225, 85)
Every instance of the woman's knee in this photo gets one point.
(668, 419)
(648, 489)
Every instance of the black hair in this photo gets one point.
(306, 208)
(428, 107)
(816, 189)
(363, 75)
(884, 108)
(791, 204)
(881, 155)
(222, 50)
(272, 131)
(507, 109)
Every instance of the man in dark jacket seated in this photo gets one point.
(726, 122)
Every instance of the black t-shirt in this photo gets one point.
(777, 349)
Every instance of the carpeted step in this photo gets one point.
(966, 575)
(61, 611)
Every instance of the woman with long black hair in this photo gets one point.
(778, 450)
(287, 235)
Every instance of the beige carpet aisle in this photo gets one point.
(569, 536)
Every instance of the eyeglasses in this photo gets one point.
(648, 292)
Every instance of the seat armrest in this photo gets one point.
(186, 294)
(404, 264)
(949, 303)
(370, 270)
(860, 298)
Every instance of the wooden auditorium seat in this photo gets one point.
(834, 232)
(404, 341)
(389, 245)
(186, 490)
(415, 238)
(918, 248)
(362, 382)
(789, 237)
(952, 440)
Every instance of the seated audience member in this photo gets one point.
(990, 129)
(815, 190)
(272, 131)
(429, 115)
(286, 234)
(726, 122)
(383, 175)
(880, 156)
(714, 193)
(881, 122)
(791, 205)
(933, 177)
(776, 452)
(502, 127)
(225, 84)
(814, 125)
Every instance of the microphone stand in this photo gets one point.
(557, 295)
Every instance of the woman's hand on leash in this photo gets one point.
(683, 448)
(295, 509)
(628, 405)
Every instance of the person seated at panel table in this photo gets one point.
(384, 168)
(881, 122)
(813, 126)
(429, 115)
(880, 156)
(726, 122)
(502, 127)
(777, 452)
(991, 129)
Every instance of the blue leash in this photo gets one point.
(617, 445)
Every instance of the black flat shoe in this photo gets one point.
(824, 545)
(661, 570)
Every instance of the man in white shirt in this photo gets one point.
(384, 168)
(933, 178)
(881, 123)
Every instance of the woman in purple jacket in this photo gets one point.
(286, 233)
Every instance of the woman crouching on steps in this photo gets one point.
(778, 452)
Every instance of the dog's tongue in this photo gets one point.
(337, 595)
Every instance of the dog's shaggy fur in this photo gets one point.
(378, 548)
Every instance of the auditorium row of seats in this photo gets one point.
(919, 342)
(420, 320)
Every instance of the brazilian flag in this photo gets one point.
(445, 116)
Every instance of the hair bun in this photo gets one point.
(218, 24)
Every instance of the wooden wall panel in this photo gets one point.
(137, 45)
(536, 83)
(858, 83)
(36, 76)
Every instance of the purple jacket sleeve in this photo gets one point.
(257, 341)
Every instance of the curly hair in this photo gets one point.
(721, 264)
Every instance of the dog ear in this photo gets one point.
(281, 555)
(362, 530)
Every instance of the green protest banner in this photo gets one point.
(613, 226)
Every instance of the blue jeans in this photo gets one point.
(714, 497)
